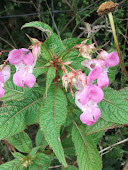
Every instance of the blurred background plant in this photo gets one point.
(69, 18)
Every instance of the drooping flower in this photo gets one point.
(85, 50)
(90, 115)
(99, 67)
(4, 76)
(91, 112)
(22, 78)
(24, 62)
(93, 93)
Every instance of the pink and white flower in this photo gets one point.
(87, 101)
(99, 67)
(24, 62)
(4, 76)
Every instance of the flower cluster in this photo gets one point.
(90, 88)
(23, 60)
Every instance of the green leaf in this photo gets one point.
(114, 106)
(18, 155)
(33, 152)
(15, 116)
(112, 74)
(40, 139)
(97, 136)
(21, 142)
(39, 25)
(53, 42)
(11, 165)
(12, 92)
(88, 157)
(39, 68)
(41, 162)
(52, 117)
(68, 146)
(100, 125)
(51, 74)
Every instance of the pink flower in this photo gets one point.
(22, 78)
(90, 116)
(103, 80)
(99, 67)
(80, 81)
(93, 93)
(4, 76)
(112, 59)
(22, 55)
(91, 112)
(24, 62)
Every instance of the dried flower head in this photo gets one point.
(107, 7)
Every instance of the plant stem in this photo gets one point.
(116, 42)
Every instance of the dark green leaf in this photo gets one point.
(39, 25)
(52, 117)
(51, 74)
(21, 142)
(15, 116)
(88, 157)
(100, 125)
(114, 106)
(15, 164)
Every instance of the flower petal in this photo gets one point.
(90, 116)
(103, 80)
(27, 56)
(94, 74)
(93, 93)
(84, 96)
(18, 78)
(2, 91)
(29, 79)
(15, 56)
(6, 72)
(112, 59)
(1, 77)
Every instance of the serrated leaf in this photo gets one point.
(15, 116)
(11, 165)
(52, 117)
(33, 152)
(40, 139)
(21, 142)
(39, 25)
(114, 106)
(97, 136)
(39, 68)
(53, 42)
(12, 92)
(41, 162)
(88, 157)
(100, 125)
(18, 155)
(51, 74)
